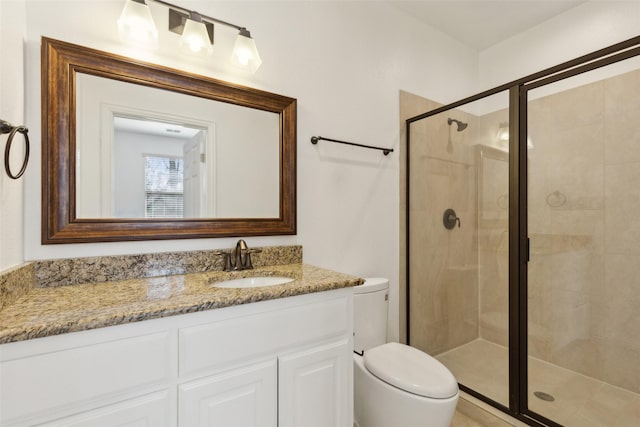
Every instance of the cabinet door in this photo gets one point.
(245, 397)
(152, 410)
(316, 387)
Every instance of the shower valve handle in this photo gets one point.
(450, 219)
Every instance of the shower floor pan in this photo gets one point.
(577, 400)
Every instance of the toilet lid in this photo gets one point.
(411, 370)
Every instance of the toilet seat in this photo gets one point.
(410, 369)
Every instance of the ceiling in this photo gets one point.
(481, 24)
(154, 127)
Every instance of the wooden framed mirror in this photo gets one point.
(241, 156)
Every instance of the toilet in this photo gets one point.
(394, 384)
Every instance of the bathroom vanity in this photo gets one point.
(284, 360)
(149, 339)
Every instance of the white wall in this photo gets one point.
(12, 30)
(586, 28)
(345, 62)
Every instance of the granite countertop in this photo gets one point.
(44, 312)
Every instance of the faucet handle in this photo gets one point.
(248, 265)
(228, 263)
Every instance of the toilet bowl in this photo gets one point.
(394, 384)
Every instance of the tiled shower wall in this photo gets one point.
(444, 278)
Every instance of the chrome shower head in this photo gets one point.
(460, 126)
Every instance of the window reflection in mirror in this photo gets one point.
(163, 187)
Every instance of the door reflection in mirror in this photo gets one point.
(161, 164)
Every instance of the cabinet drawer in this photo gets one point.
(147, 411)
(75, 379)
(211, 347)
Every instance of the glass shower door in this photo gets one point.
(584, 230)
(458, 243)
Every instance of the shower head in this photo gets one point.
(460, 125)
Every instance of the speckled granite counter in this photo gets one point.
(49, 311)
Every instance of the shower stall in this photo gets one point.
(523, 241)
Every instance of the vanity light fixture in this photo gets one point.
(136, 25)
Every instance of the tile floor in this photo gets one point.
(468, 414)
(580, 401)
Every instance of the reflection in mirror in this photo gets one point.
(493, 184)
(104, 178)
(224, 159)
(162, 151)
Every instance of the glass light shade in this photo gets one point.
(195, 37)
(503, 133)
(503, 136)
(136, 24)
(245, 54)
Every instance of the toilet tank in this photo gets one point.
(370, 307)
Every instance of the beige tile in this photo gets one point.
(482, 366)
(620, 359)
(575, 167)
(577, 107)
(579, 400)
(444, 291)
(621, 279)
(607, 404)
(621, 92)
(461, 420)
(622, 203)
(622, 136)
(412, 105)
(470, 415)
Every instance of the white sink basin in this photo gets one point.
(253, 282)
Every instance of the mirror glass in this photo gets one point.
(139, 151)
(144, 152)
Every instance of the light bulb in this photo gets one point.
(136, 25)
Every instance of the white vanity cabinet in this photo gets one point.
(284, 362)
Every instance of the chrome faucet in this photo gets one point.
(238, 258)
